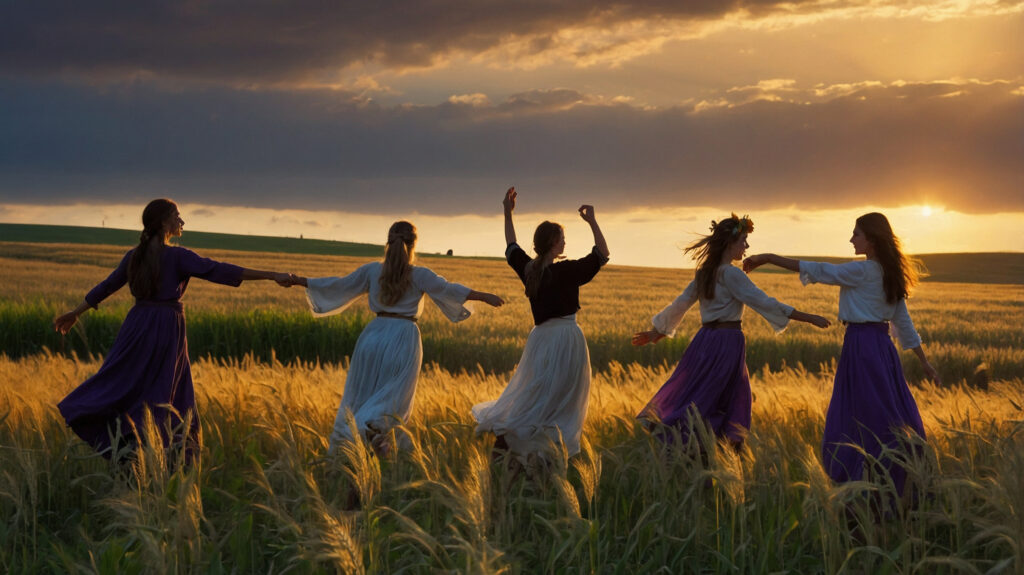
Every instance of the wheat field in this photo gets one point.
(265, 498)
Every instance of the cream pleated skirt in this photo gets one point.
(545, 402)
(381, 381)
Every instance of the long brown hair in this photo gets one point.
(144, 265)
(709, 250)
(545, 237)
(900, 273)
(396, 276)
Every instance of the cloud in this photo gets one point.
(310, 42)
(874, 144)
(203, 213)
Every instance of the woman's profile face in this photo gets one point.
(174, 224)
(559, 247)
(861, 244)
(738, 248)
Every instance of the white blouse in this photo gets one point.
(862, 296)
(331, 295)
(733, 289)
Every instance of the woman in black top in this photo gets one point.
(545, 402)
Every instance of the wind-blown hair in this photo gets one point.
(144, 264)
(900, 273)
(709, 250)
(396, 277)
(545, 237)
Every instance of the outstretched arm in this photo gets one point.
(756, 261)
(64, 323)
(509, 204)
(488, 298)
(282, 279)
(810, 318)
(587, 213)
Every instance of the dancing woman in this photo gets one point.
(546, 399)
(147, 369)
(871, 405)
(711, 377)
(385, 365)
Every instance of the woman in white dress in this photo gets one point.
(381, 379)
(711, 379)
(545, 402)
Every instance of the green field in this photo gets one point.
(269, 378)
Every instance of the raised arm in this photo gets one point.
(756, 261)
(509, 204)
(587, 213)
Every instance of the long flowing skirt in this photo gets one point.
(545, 402)
(146, 369)
(711, 379)
(381, 381)
(871, 406)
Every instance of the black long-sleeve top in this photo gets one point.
(559, 293)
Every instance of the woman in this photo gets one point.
(871, 405)
(147, 369)
(546, 399)
(386, 362)
(711, 379)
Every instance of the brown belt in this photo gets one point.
(723, 324)
(396, 316)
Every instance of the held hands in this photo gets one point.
(64, 323)
(587, 213)
(646, 337)
(283, 279)
(509, 203)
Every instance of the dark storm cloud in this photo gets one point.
(269, 42)
(958, 145)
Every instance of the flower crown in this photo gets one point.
(743, 225)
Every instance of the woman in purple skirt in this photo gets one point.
(871, 406)
(147, 369)
(711, 379)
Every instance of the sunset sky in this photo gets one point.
(331, 119)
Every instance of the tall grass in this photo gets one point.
(265, 497)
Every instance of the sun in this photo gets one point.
(926, 211)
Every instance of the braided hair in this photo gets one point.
(396, 277)
(545, 237)
(144, 264)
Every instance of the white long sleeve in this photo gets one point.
(862, 296)
(331, 295)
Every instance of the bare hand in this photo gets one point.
(753, 262)
(819, 321)
(64, 323)
(492, 300)
(284, 280)
(509, 203)
(646, 337)
(931, 373)
(587, 213)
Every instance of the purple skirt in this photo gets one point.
(147, 368)
(871, 406)
(712, 378)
